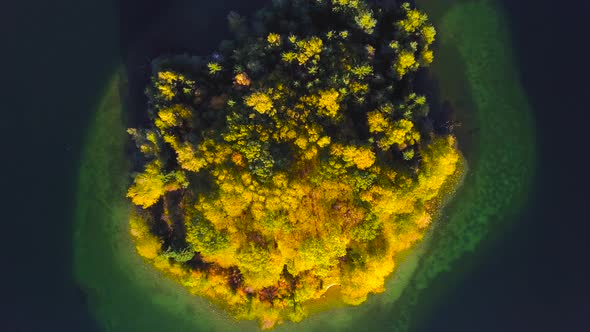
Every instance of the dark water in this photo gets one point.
(536, 277)
(58, 55)
(55, 58)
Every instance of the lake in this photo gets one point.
(60, 56)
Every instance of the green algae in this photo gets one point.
(127, 295)
(503, 160)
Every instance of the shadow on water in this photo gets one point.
(450, 115)
(149, 29)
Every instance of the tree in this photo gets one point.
(146, 244)
(204, 238)
(150, 185)
(260, 102)
(181, 256)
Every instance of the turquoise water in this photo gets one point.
(126, 295)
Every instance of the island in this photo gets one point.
(296, 159)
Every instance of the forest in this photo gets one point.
(296, 158)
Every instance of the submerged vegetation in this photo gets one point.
(297, 158)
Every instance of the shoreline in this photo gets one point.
(121, 285)
(502, 125)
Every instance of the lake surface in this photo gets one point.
(59, 57)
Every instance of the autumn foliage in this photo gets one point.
(299, 160)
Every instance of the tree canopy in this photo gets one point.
(296, 158)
